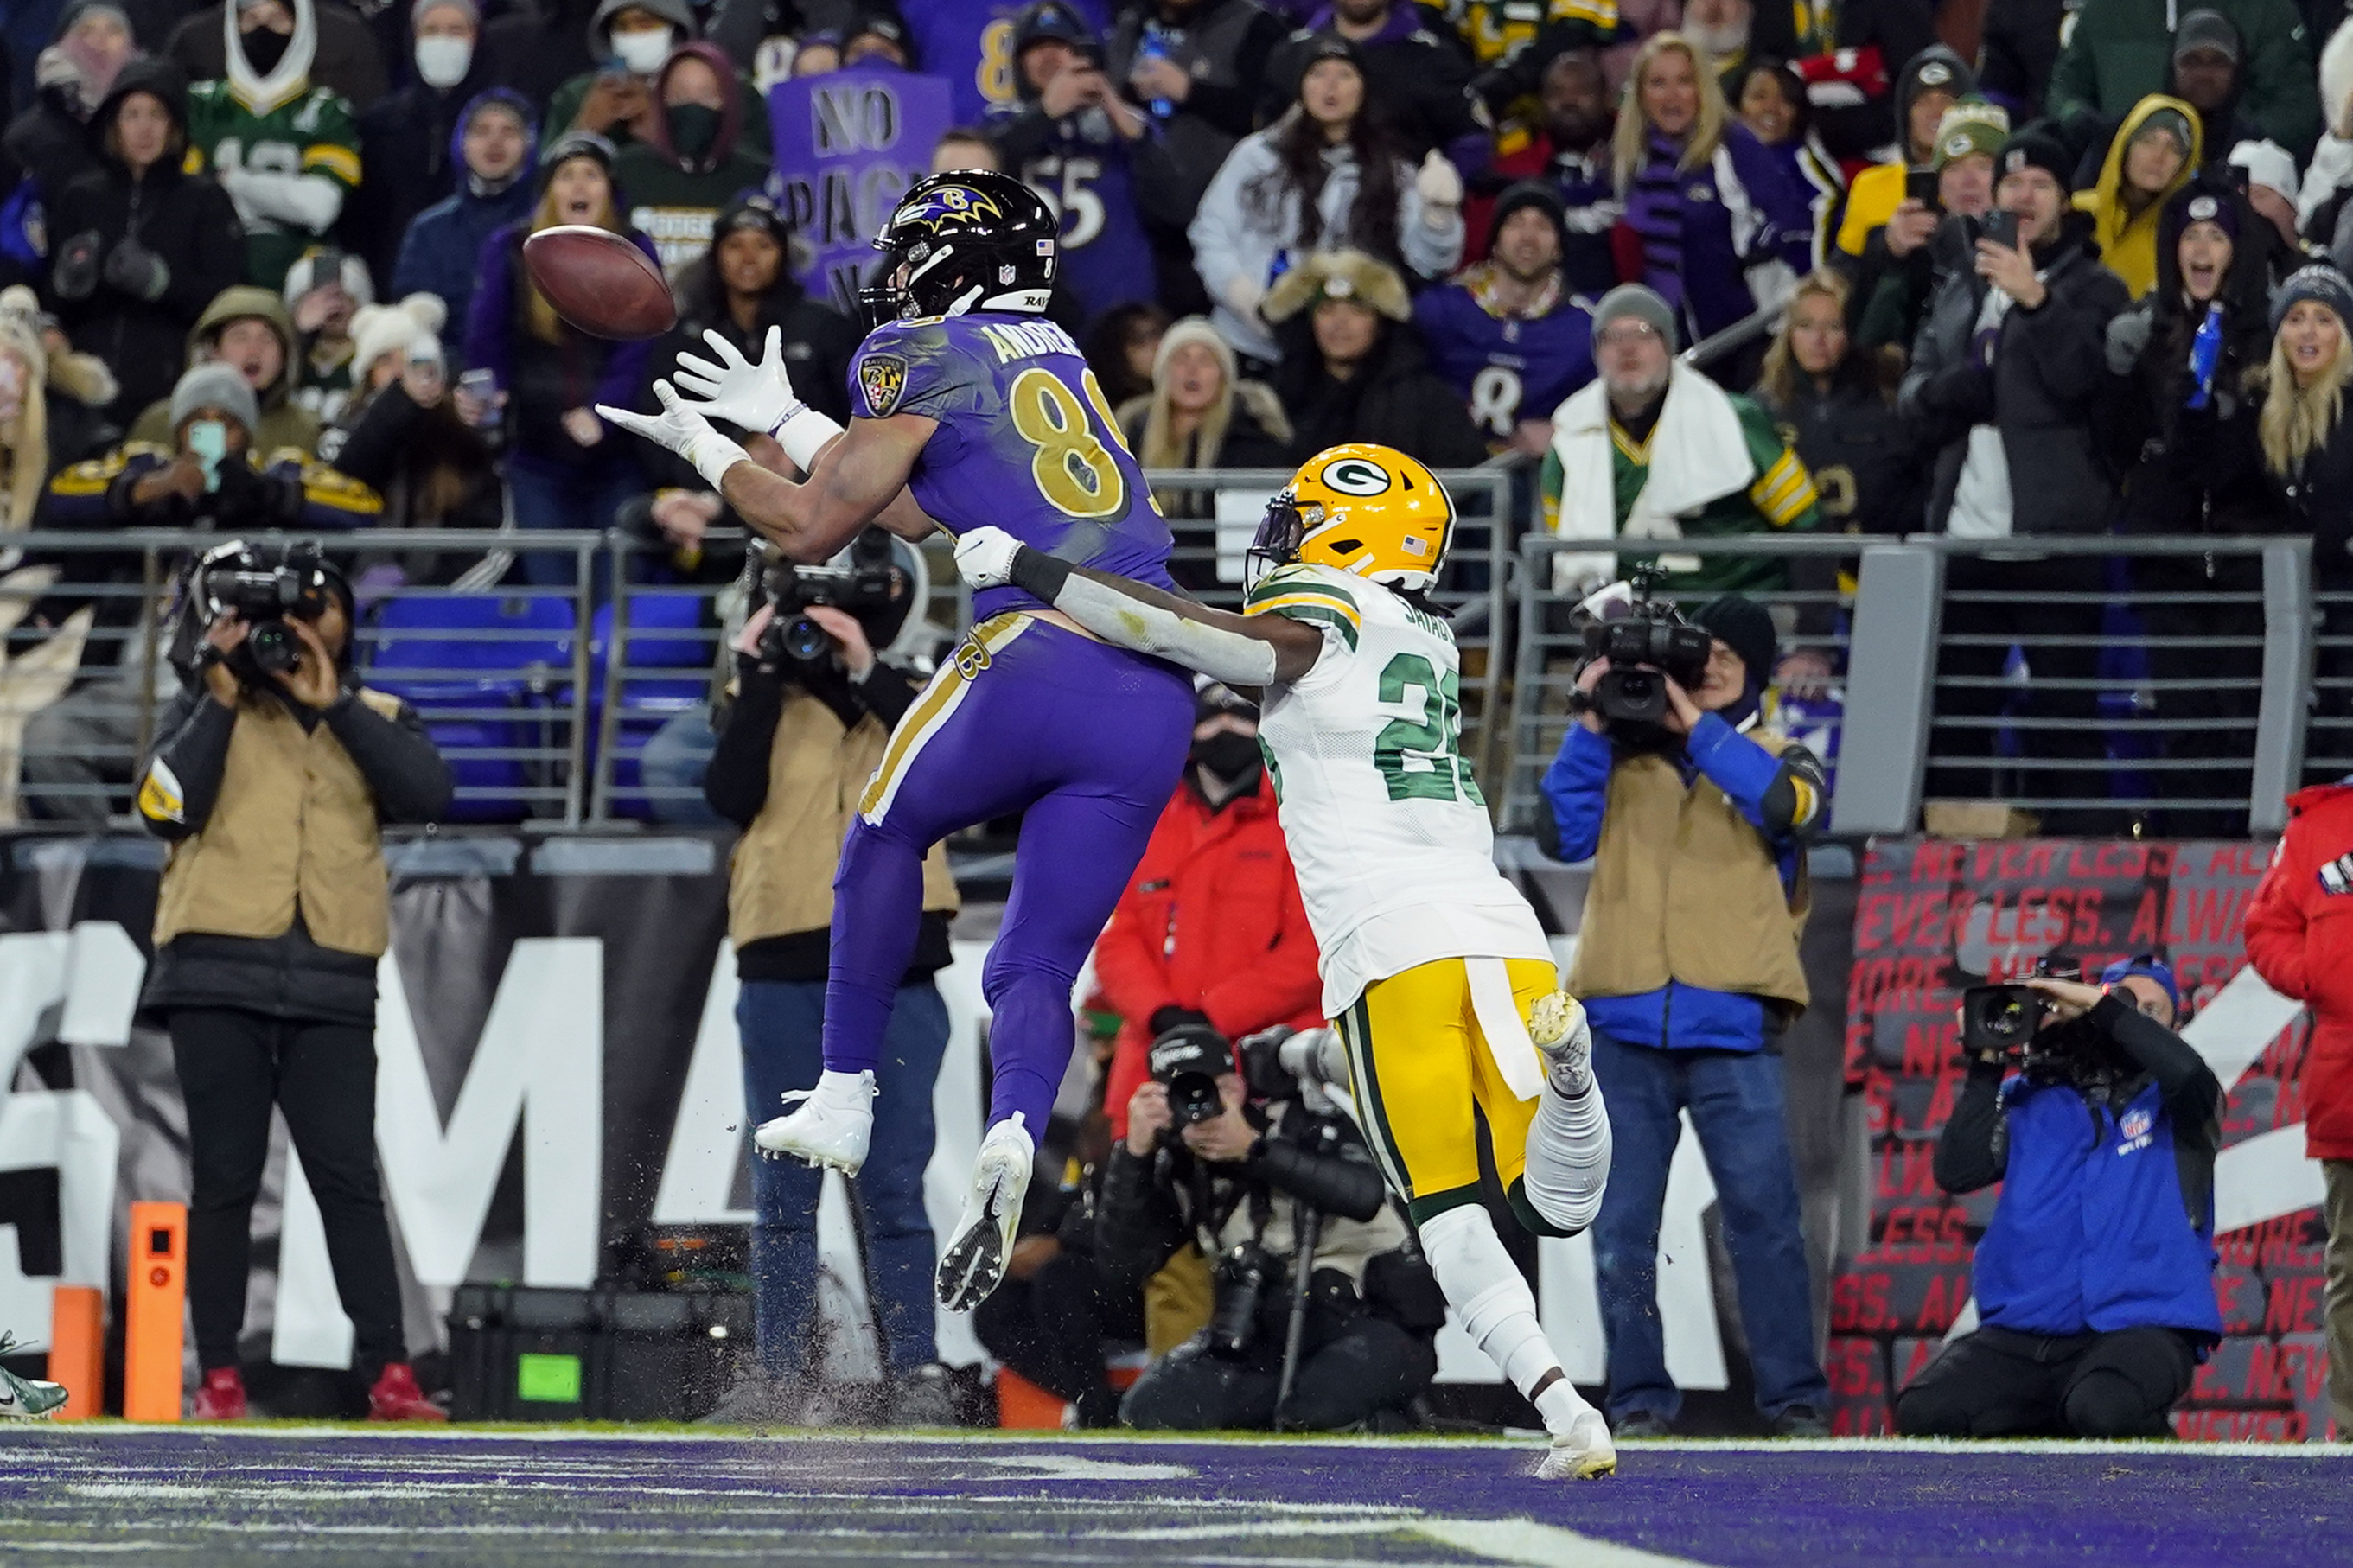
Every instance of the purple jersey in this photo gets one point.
(970, 42)
(1506, 370)
(1025, 442)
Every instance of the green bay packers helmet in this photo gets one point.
(1372, 511)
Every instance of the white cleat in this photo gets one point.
(1583, 1453)
(830, 1125)
(1557, 1024)
(982, 1243)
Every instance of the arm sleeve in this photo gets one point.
(1433, 252)
(181, 779)
(327, 498)
(403, 768)
(372, 453)
(2067, 339)
(1782, 796)
(307, 202)
(887, 692)
(2075, 80)
(1021, 135)
(1972, 1152)
(214, 258)
(1131, 623)
(1136, 1224)
(1218, 224)
(735, 785)
(2181, 1074)
(1576, 788)
(2275, 924)
(1783, 493)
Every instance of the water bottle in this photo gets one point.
(1276, 268)
(2205, 353)
(1154, 47)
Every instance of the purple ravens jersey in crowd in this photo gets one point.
(1025, 442)
(1506, 370)
(970, 42)
(1104, 254)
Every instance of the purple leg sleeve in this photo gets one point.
(1087, 741)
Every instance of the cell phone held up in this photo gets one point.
(2001, 227)
(1920, 185)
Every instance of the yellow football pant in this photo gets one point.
(1419, 1064)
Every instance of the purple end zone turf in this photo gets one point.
(217, 1495)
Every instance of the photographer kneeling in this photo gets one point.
(1249, 1170)
(813, 709)
(2096, 1278)
(274, 770)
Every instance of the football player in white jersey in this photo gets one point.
(1436, 972)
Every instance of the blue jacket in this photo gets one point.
(1576, 788)
(439, 253)
(2106, 1218)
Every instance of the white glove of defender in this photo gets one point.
(683, 429)
(756, 396)
(985, 557)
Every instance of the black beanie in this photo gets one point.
(1530, 194)
(2034, 148)
(1745, 628)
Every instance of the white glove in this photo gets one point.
(756, 396)
(682, 429)
(985, 557)
(1438, 183)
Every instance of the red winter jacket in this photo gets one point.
(2300, 939)
(1211, 921)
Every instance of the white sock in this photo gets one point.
(844, 1088)
(1494, 1306)
(1568, 1156)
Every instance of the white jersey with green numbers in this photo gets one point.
(1387, 828)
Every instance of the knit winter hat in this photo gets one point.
(1640, 303)
(576, 144)
(304, 276)
(1970, 126)
(2165, 121)
(1194, 330)
(1745, 628)
(2149, 965)
(2199, 203)
(411, 328)
(215, 386)
(2033, 148)
(2205, 29)
(2319, 283)
(1525, 194)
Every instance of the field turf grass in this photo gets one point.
(572, 1497)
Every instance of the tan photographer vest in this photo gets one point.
(780, 879)
(1684, 888)
(294, 827)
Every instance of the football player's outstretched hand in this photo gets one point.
(681, 427)
(985, 557)
(759, 397)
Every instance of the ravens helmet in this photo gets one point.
(1370, 512)
(970, 240)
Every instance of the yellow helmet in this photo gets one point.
(1369, 511)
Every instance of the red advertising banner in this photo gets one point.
(1933, 916)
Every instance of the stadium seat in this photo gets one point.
(484, 672)
(666, 631)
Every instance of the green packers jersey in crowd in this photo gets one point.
(313, 132)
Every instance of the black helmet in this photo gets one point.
(974, 239)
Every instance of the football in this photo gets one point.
(600, 282)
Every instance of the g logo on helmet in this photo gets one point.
(1354, 476)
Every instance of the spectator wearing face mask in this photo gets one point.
(284, 148)
(345, 58)
(2153, 154)
(1211, 929)
(52, 139)
(492, 155)
(408, 141)
(630, 40)
(696, 159)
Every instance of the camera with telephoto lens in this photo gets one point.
(1188, 1062)
(1245, 1273)
(1646, 642)
(266, 587)
(869, 579)
(2006, 1018)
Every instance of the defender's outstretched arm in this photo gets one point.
(1240, 650)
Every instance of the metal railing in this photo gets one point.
(546, 701)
